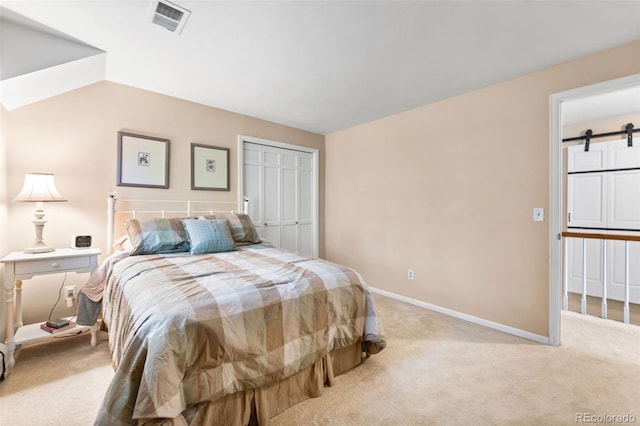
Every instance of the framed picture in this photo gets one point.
(142, 161)
(209, 167)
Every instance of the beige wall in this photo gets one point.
(74, 136)
(602, 125)
(448, 191)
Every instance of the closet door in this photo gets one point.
(280, 185)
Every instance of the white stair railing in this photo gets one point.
(583, 300)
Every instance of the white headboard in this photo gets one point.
(121, 209)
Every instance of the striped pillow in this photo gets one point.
(242, 228)
(208, 236)
(157, 235)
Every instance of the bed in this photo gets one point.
(204, 331)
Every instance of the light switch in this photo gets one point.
(538, 214)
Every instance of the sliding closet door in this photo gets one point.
(280, 185)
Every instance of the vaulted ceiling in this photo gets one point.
(321, 66)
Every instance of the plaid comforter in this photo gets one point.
(184, 329)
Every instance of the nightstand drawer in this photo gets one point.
(52, 265)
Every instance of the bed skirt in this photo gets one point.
(258, 406)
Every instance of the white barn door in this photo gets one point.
(603, 196)
(281, 184)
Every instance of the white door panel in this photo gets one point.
(271, 158)
(251, 173)
(580, 160)
(624, 200)
(585, 200)
(290, 237)
(251, 155)
(289, 196)
(306, 195)
(305, 237)
(617, 272)
(594, 266)
(622, 156)
(272, 235)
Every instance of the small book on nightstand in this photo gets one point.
(57, 323)
(54, 330)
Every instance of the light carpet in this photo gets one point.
(436, 370)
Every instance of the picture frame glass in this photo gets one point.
(143, 161)
(209, 168)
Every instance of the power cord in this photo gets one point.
(59, 294)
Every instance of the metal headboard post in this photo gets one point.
(111, 212)
(190, 211)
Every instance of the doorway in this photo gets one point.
(555, 191)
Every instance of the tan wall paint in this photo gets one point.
(74, 136)
(602, 125)
(448, 191)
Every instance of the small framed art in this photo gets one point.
(143, 161)
(209, 167)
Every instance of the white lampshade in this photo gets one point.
(39, 187)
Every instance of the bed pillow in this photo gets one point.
(242, 228)
(208, 236)
(157, 235)
(123, 243)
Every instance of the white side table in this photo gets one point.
(20, 266)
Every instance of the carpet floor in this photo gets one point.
(436, 370)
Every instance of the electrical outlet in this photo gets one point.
(69, 295)
(410, 274)
(70, 292)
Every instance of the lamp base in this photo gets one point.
(38, 249)
(39, 246)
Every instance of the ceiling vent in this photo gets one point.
(168, 15)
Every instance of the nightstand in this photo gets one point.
(20, 266)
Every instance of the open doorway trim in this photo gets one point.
(555, 190)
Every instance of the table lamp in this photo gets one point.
(39, 187)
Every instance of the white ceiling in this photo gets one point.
(323, 66)
(612, 104)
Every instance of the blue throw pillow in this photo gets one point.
(208, 236)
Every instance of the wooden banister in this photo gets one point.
(601, 236)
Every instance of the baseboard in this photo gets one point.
(470, 318)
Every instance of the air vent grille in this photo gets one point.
(168, 11)
(168, 15)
